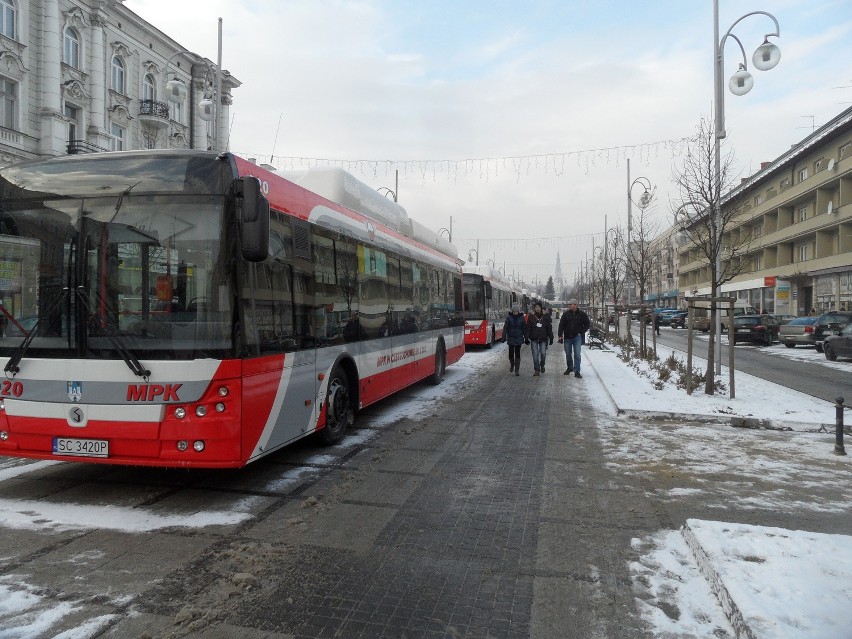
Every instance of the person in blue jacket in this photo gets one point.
(515, 333)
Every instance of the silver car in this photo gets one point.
(798, 332)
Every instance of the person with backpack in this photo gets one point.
(515, 332)
(539, 335)
(572, 332)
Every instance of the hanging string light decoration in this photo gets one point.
(489, 167)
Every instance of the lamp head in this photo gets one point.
(205, 109)
(766, 56)
(176, 91)
(741, 82)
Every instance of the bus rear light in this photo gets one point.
(182, 445)
(201, 410)
(220, 407)
(180, 412)
(4, 436)
(223, 391)
(198, 446)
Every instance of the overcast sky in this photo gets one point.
(514, 118)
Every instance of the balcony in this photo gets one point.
(82, 146)
(154, 113)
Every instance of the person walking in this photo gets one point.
(572, 330)
(515, 331)
(657, 322)
(539, 334)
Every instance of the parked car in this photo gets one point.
(762, 329)
(702, 314)
(679, 319)
(784, 319)
(798, 332)
(838, 345)
(828, 323)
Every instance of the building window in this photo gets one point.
(149, 89)
(819, 165)
(71, 48)
(803, 253)
(758, 200)
(757, 262)
(117, 74)
(71, 114)
(7, 19)
(803, 174)
(118, 137)
(845, 150)
(758, 230)
(803, 214)
(177, 112)
(8, 104)
(785, 183)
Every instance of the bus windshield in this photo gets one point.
(474, 297)
(123, 268)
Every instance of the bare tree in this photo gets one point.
(614, 266)
(707, 232)
(640, 256)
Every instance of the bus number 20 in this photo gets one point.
(15, 389)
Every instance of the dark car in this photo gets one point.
(840, 345)
(829, 323)
(762, 329)
(799, 331)
(679, 319)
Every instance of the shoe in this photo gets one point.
(511, 367)
(542, 368)
(577, 374)
(536, 374)
(517, 372)
(568, 371)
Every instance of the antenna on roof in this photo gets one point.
(275, 141)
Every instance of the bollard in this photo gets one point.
(838, 425)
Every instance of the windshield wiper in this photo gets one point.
(129, 358)
(18, 354)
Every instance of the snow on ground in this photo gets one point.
(779, 574)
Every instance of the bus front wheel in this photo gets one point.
(338, 414)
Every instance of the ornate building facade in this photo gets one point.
(84, 76)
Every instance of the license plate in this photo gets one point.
(80, 447)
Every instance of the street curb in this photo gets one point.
(705, 567)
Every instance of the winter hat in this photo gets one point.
(571, 302)
(516, 307)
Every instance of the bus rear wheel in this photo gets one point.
(440, 365)
(338, 414)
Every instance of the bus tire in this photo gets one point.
(339, 414)
(440, 364)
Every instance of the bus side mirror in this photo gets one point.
(488, 292)
(253, 217)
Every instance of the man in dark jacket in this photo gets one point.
(539, 334)
(572, 332)
(515, 332)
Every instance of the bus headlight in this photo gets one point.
(223, 391)
(198, 446)
(201, 411)
(180, 412)
(182, 445)
(220, 407)
(4, 436)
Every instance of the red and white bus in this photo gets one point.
(488, 298)
(191, 309)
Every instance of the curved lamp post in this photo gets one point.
(644, 201)
(765, 57)
(207, 109)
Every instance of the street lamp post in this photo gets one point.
(765, 57)
(207, 108)
(644, 201)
